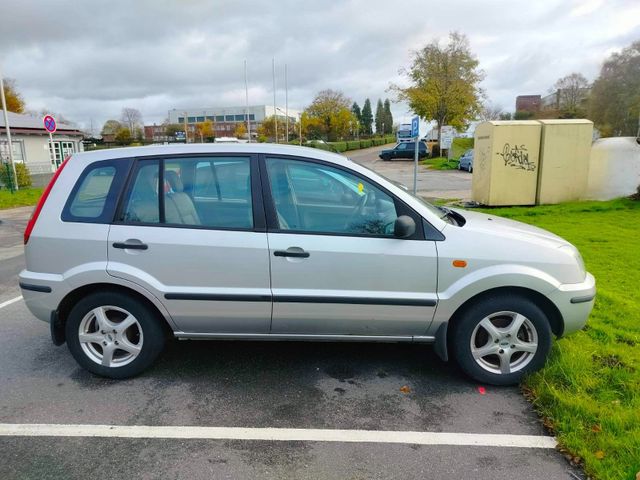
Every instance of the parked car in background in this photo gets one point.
(466, 161)
(405, 150)
(277, 242)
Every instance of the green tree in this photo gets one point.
(355, 109)
(332, 110)
(379, 117)
(614, 104)
(132, 119)
(204, 130)
(123, 136)
(268, 128)
(171, 129)
(388, 117)
(366, 120)
(572, 93)
(15, 103)
(444, 83)
(523, 115)
(111, 127)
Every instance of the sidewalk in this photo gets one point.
(13, 221)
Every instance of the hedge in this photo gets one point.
(351, 144)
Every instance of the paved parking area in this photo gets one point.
(449, 184)
(260, 390)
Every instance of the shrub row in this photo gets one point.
(352, 144)
(6, 175)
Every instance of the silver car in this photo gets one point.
(130, 247)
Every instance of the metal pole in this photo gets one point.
(286, 105)
(7, 129)
(275, 113)
(52, 152)
(415, 164)
(246, 98)
(186, 129)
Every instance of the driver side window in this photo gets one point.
(313, 197)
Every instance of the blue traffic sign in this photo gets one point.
(415, 126)
(49, 123)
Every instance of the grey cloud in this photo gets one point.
(87, 60)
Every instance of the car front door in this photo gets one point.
(200, 246)
(336, 268)
(400, 150)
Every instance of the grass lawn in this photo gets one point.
(440, 163)
(459, 146)
(21, 198)
(589, 392)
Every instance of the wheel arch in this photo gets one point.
(68, 302)
(443, 333)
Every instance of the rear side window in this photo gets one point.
(94, 196)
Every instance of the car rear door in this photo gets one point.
(336, 268)
(200, 246)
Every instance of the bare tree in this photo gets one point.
(572, 92)
(132, 119)
(490, 112)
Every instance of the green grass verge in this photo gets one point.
(21, 198)
(440, 163)
(459, 146)
(589, 391)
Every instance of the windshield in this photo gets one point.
(404, 134)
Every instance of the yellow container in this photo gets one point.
(505, 162)
(565, 149)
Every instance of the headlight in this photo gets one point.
(573, 251)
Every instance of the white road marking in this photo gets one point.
(9, 302)
(276, 434)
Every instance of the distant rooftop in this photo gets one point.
(31, 122)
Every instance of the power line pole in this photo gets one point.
(186, 129)
(7, 129)
(246, 98)
(275, 113)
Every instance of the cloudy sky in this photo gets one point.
(87, 60)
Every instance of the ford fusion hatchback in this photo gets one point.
(130, 247)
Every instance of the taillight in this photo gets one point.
(43, 198)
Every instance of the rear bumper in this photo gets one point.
(575, 302)
(42, 293)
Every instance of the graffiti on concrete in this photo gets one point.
(517, 157)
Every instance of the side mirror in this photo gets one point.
(404, 227)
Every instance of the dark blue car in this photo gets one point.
(405, 150)
(466, 161)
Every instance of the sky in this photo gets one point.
(87, 60)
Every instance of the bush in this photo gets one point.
(390, 139)
(320, 145)
(22, 172)
(365, 143)
(339, 146)
(353, 145)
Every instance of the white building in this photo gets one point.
(31, 144)
(225, 119)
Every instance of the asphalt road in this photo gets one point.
(373, 387)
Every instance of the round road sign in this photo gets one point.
(49, 123)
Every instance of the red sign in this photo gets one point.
(49, 123)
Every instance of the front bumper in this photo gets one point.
(575, 302)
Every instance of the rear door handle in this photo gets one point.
(288, 253)
(129, 245)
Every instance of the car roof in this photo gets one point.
(213, 148)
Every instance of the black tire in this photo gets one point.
(147, 320)
(464, 325)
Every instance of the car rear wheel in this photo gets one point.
(499, 340)
(114, 335)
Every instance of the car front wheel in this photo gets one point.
(114, 335)
(499, 340)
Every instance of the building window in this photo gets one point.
(200, 119)
(228, 118)
(211, 118)
(18, 151)
(191, 119)
(240, 118)
(219, 118)
(180, 119)
(252, 117)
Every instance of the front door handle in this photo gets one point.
(131, 245)
(289, 253)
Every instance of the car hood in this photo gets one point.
(504, 227)
(386, 151)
